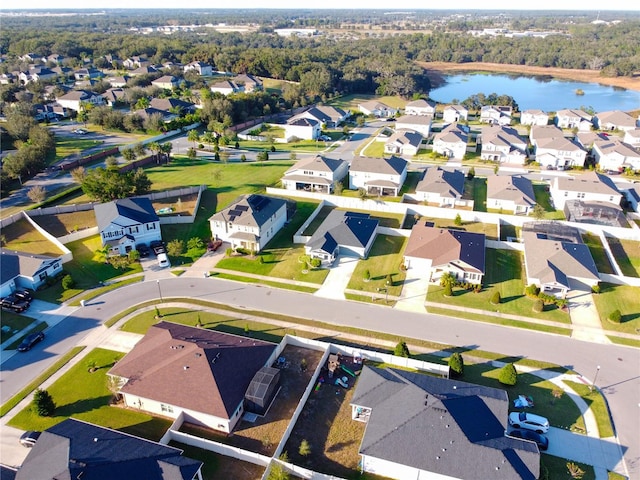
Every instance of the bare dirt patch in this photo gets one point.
(180, 205)
(65, 223)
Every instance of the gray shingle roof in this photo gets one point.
(345, 229)
(516, 188)
(390, 166)
(449, 184)
(138, 210)
(14, 263)
(316, 164)
(250, 210)
(589, 182)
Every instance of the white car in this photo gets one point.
(529, 421)
(163, 260)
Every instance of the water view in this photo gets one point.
(547, 94)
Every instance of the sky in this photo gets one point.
(578, 5)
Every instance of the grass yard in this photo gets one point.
(85, 396)
(489, 229)
(597, 251)
(374, 150)
(317, 220)
(273, 85)
(504, 274)
(65, 223)
(384, 258)
(12, 323)
(627, 255)
(623, 298)
(67, 146)
(350, 102)
(541, 191)
(478, 191)
(598, 406)
(557, 467)
(23, 237)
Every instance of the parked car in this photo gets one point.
(541, 440)
(24, 295)
(13, 303)
(30, 340)
(143, 250)
(324, 138)
(529, 421)
(163, 260)
(29, 438)
(214, 245)
(158, 247)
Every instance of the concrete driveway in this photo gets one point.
(414, 291)
(338, 278)
(585, 318)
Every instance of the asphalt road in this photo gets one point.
(619, 376)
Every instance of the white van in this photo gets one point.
(163, 260)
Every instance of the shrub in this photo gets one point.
(458, 220)
(175, 247)
(538, 305)
(195, 243)
(133, 255)
(43, 403)
(615, 316)
(401, 350)
(243, 158)
(68, 282)
(456, 363)
(228, 251)
(448, 290)
(508, 375)
(119, 262)
(305, 448)
(595, 289)
(316, 262)
(532, 290)
(367, 275)
(471, 173)
(496, 298)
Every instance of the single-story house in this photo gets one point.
(632, 137)
(114, 96)
(328, 116)
(419, 123)
(25, 270)
(420, 107)
(589, 186)
(556, 260)
(455, 113)
(203, 374)
(144, 70)
(441, 187)
(165, 115)
(424, 427)
(342, 233)
(119, 81)
(534, 117)
(496, 114)
(569, 118)
(502, 144)
(127, 222)
(226, 87)
(377, 109)
(201, 68)
(74, 449)
(613, 155)
(436, 251)
(614, 120)
(250, 222)
(75, 99)
(249, 83)
(302, 128)
(167, 82)
(315, 174)
(378, 176)
(173, 105)
(451, 142)
(404, 142)
(510, 193)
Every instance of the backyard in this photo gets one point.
(627, 255)
(490, 230)
(598, 253)
(477, 189)
(65, 223)
(23, 237)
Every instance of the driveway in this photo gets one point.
(338, 278)
(585, 318)
(414, 291)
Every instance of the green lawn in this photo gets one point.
(85, 396)
(541, 191)
(300, 146)
(558, 468)
(627, 255)
(66, 146)
(489, 229)
(13, 323)
(597, 405)
(598, 253)
(385, 258)
(23, 237)
(503, 274)
(623, 298)
(350, 102)
(374, 150)
(479, 193)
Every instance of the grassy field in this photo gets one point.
(623, 298)
(23, 237)
(85, 396)
(489, 229)
(384, 259)
(67, 146)
(597, 251)
(597, 404)
(302, 146)
(350, 102)
(503, 274)
(627, 255)
(375, 150)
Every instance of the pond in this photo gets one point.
(539, 92)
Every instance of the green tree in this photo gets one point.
(508, 375)
(471, 173)
(193, 136)
(277, 471)
(401, 350)
(615, 316)
(458, 220)
(367, 275)
(456, 363)
(195, 243)
(538, 212)
(175, 247)
(128, 154)
(78, 175)
(43, 403)
(67, 282)
(191, 153)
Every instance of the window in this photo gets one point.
(166, 408)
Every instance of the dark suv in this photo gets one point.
(24, 295)
(158, 247)
(14, 303)
(143, 250)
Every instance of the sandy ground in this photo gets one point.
(591, 76)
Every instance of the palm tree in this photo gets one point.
(155, 149)
(193, 137)
(166, 149)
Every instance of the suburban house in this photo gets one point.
(455, 113)
(613, 155)
(377, 109)
(75, 99)
(534, 117)
(614, 120)
(632, 194)
(166, 82)
(503, 145)
(127, 222)
(136, 61)
(496, 115)
(249, 83)
(144, 70)
(632, 137)
(114, 96)
(25, 270)
(74, 449)
(425, 427)
(87, 74)
(378, 176)
(302, 128)
(203, 374)
(420, 107)
(226, 87)
(164, 115)
(556, 259)
(451, 142)
(419, 123)
(342, 233)
(555, 151)
(589, 186)
(436, 251)
(328, 116)
(511, 193)
(37, 74)
(574, 119)
(173, 105)
(118, 82)
(315, 174)
(250, 222)
(403, 142)
(443, 188)
(200, 67)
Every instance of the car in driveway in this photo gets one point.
(529, 421)
(30, 340)
(163, 260)
(143, 250)
(539, 439)
(14, 304)
(29, 438)
(24, 295)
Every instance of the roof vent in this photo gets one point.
(95, 439)
(186, 367)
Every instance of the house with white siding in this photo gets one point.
(503, 145)
(75, 99)
(569, 118)
(226, 87)
(378, 176)
(451, 142)
(614, 120)
(632, 137)
(510, 193)
(377, 109)
(496, 115)
(614, 155)
(403, 142)
(315, 174)
(302, 128)
(455, 113)
(418, 123)
(590, 186)
(201, 68)
(420, 107)
(555, 151)
(20, 270)
(534, 117)
(444, 188)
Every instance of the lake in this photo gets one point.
(544, 93)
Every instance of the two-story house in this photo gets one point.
(404, 142)
(75, 99)
(377, 109)
(420, 107)
(249, 83)
(510, 193)
(614, 155)
(496, 114)
(418, 123)
(443, 188)
(250, 222)
(555, 151)
(329, 117)
(378, 176)
(455, 113)
(315, 174)
(302, 128)
(201, 68)
(226, 87)
(534, 117)
(590, 186)
(502, 144)
(569, 118)
(451, 142)
(614, 120)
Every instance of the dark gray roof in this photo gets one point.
(74, 449)
(448, 427)
(138, 210)
(251, 210)
(449, 184)
(14, 263)
(347, 229)
(7, 473)
(391, 166)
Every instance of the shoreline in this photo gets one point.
(436, 70)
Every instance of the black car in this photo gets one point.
(143, 250)
(30, 340)
(541, 440)
(158, 247)
(24, 295)
(13, 303)
(28, 439)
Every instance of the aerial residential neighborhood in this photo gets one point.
(216, 263)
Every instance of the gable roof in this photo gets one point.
(373, 105)
(334, 113)
(617, 118)
(451, 134)
(247, 79)
(420, 103)
(588, 182)
(341, 228)
(76, 449)
(413, 120)
(193, 368)
(574, 113)
(516, 188)
(406, 137)
(317, 164)
(390, 166)
(138, 210)
(165, 79)
(14, 263)
(169, 103)
(614, 145)
(500, 135)
(445, 246)
(449, 184)
(451, 428)
(250, 210)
